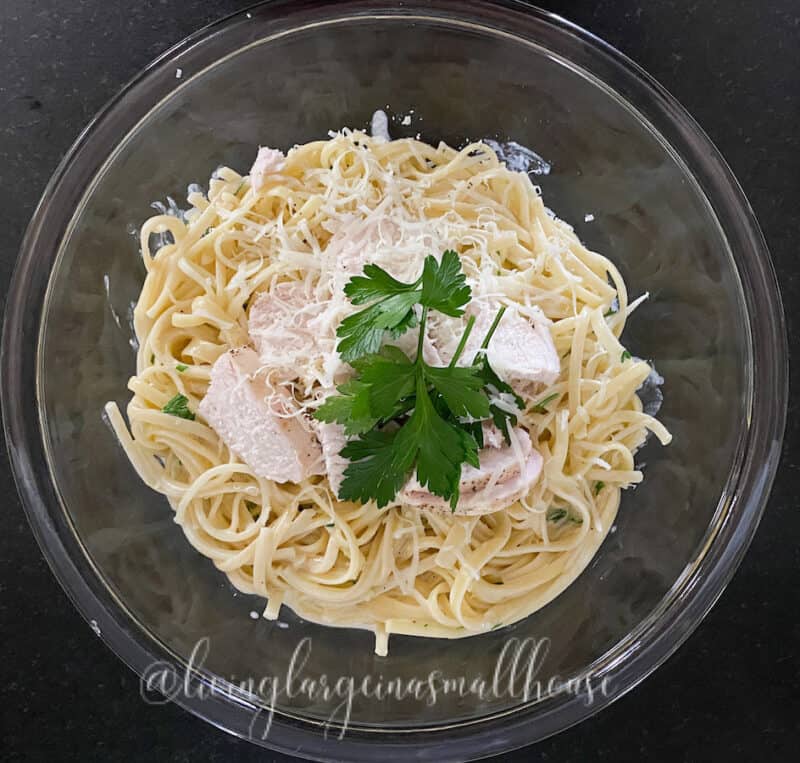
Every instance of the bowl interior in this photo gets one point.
(463, 82)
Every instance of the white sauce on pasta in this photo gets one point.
(402, 569)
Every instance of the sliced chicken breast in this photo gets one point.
(260, 425)
(353, 246)
(360, 243)
(269, 161)
(521, 351)
(280, 325)
(505, 475)
(332, 439)
(492, 436)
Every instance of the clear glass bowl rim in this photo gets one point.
(681, 611)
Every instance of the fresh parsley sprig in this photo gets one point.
(403, 414)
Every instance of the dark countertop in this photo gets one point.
(732, 692)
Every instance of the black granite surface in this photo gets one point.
(731, 693)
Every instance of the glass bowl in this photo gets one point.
(639, 181)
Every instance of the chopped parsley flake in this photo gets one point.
(559, 514)
(541, 406)
(177, 406)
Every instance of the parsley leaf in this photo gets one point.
(437, 446)
(625, 356)
(180, 368)
(461, 387)
(350, 408)
(598, 486)
(444, 286)
(377, 469)
(390, 377)
(387, 352)
(501, 419)
(400, 328)
(386, 379)
(177, 406)
(475, 428)
(362, 332)
(376, 283)
(471, 446)
(381, 461)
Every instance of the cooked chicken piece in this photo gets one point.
(521, 351)
(269, 161)
(352, 247)
(504, 477)
(280, 326)
(332, 439)
(492, 436)
(361, 243)
(260, 425)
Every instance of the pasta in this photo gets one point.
(401, 569)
